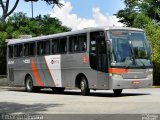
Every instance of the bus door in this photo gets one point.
(98, 58)
(102, 63)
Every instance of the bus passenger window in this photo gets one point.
(47, 47)
(18, 52)
(78, 43)
(10, 51)
(63, 45)
(32, 49)
(73, 44)
(82, 43)
(40, 48)
(15, 50)
(26, 49)
(55, 46)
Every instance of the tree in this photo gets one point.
(4, 4)
(19, 24)
(133, 9)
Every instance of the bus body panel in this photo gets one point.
(73, 65)
(102, 80)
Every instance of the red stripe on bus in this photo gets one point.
(118, 70)
(36, 75)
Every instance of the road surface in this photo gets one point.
(133, 101)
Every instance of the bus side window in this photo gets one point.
(10, 51)
(82, 43)
(26, 49)
(63, 45)
(18, 51)
(32, 49)
(40, 48)
(46, 47)
(55, 46)
(73, 44)
(78, 43)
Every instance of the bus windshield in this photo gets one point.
(129, 49)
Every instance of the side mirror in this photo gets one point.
(109, 47)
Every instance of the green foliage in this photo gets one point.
(142, 21)
(135, 8)
(19, 24)
(153, 33)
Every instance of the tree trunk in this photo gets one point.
(5, 9)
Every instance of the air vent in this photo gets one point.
(25, 36)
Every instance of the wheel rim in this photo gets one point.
(29, 84)
(82, 85)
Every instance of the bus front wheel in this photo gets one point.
(117, 92)
(84, 86)
(29, 84)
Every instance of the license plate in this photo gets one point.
(135, 82)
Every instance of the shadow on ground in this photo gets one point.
(11, 107)
(78, 93)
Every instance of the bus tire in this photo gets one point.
(117, 92)
(84, 86)
(29, 84)
(58, 89)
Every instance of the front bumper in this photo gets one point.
(120, 83)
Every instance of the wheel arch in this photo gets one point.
(78, 79)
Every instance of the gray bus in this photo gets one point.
(100, 58)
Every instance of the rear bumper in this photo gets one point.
(119, 83)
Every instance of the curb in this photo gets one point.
(155, 86)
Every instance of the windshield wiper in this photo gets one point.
(144, 66)
(132, 53)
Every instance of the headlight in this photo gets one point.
(150, 70)
(115, 75)
(150, 75)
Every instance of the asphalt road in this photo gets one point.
(134, 101)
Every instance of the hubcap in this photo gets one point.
(82, 85)
(29, 84)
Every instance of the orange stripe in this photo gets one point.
(117, 70)
(36, 75)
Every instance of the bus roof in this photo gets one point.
(21, 40)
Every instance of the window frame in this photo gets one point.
(77, 40)
(11, 52)
(19, 55)
(58, 49)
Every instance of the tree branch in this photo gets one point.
(1, 2)
(7, 5)
(14, 7)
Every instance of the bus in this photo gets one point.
(98, 58)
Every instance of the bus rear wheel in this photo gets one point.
(29, 84)
(117, 92)
(84, 86)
